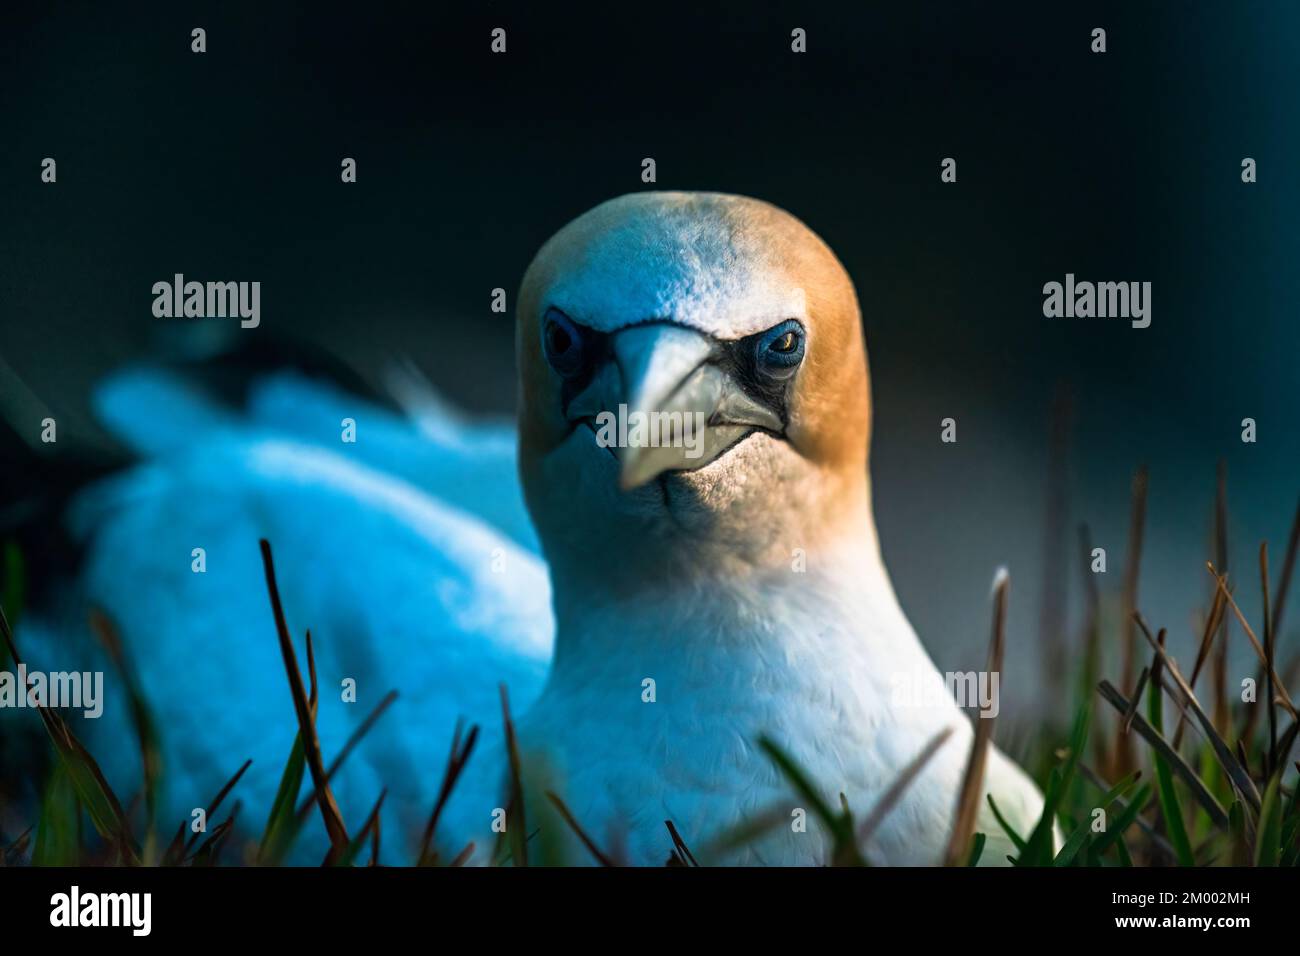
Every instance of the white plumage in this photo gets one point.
(748, 588)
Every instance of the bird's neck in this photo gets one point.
(832, 593)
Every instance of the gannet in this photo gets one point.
(682, 605)
(746, 583)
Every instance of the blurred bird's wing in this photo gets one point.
(400, 589)
(469, 464)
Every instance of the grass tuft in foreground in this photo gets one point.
(1167, 780)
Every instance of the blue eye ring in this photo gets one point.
(781, 348)
(563, 342)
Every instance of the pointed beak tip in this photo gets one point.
(631, 476)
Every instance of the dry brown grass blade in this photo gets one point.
(970, 796)
(304, 807)
(1092, 636)
(370, 829)
(102, 626)
(599, 855)
(1217, 609)
(1259, 648)
(230, 785)
(208, 853)
(311, 674)
(12, 853)
(175, 853)
(748, 831)
(1127, 722)
(374, 844)
(1288, 569)
(1133, 564)
(1222, 709)
(464, 855)
(111, 821)
(1123, 761)
(1269, 661)
(456, 762)
(334, 827)
(1179, 766)
(679, 845)
(889, 799)
(1183, 696)
(519, 850)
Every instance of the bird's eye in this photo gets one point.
(780, 348)
(564, 343)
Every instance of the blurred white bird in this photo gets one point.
(693, 604)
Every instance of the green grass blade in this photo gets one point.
(1170, 806)
(1012, 835)
(1157, 741)
(839, 825)
(281, 824)
(1115, 832)
(1268, 834)
(1122, 852)
(1079, 838)
(799, 780)
(348, 857)
(1072, 846)
(87, 779)
(1122, 788)
(57, 832)
(1038, 848)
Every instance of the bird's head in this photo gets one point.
(693, 386)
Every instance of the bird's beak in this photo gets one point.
(670, 405)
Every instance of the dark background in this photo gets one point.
(1122, 166)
